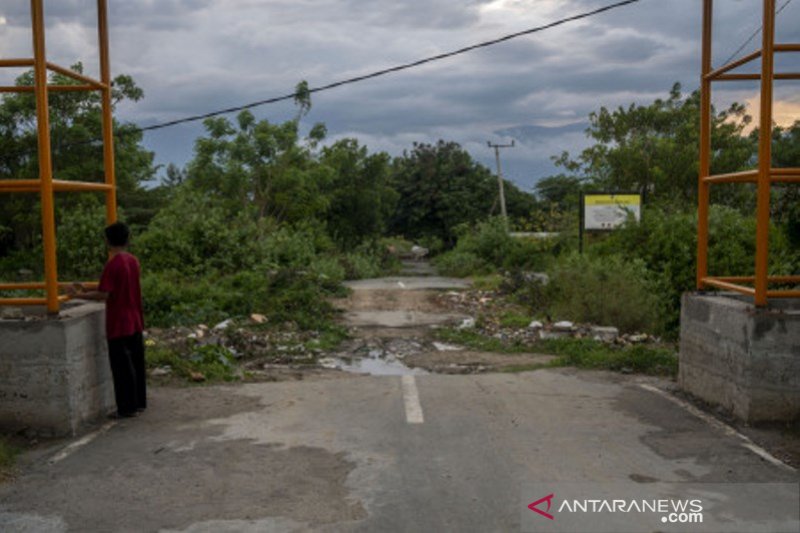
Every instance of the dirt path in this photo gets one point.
(393, 321)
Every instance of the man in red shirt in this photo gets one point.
(119, 288)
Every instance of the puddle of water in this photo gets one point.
(375, 366)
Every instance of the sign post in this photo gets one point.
(607, 211)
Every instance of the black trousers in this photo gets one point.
(126, 355)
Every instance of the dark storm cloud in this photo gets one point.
(193, 56)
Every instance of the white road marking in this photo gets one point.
(72, 448)
(411, 400)
(725, 428)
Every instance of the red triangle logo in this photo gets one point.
(549, 500)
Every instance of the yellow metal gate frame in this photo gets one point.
(764, 176)
(46, 185)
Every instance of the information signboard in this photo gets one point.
(604, 212)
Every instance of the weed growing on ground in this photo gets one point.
(515, 319)
(587, 353)
(214, 362)
(580, 353)
(8, 455)
(329, 339)
(491, 282)
(477, 341)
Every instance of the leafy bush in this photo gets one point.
(488, 246)
(461, 264)
(608, 290)
(81, 245)
(667, 241)
(214, 362)
(194, 235)
(359, 265)
(283, 294)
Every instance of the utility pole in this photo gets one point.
(500, 176)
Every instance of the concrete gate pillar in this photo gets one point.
(54, 374)
(743, 358)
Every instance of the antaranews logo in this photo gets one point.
(549, 500)
(671, 511)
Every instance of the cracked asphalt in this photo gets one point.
(377, 453)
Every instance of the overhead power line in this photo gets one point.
(753, 36)
(391, 70)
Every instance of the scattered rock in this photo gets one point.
(604, 334)
(564, 325)
(161, 371)
(535, 325)
(443, 347)
(197, 377)
(468, 323)
(418, 252)
(638, 338)
(554, 334)
(223, 325)
(328, 362)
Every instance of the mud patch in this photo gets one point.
(399, 318)
(218, 480)
(469, 362)
(390, 300)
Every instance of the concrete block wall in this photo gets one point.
(740, 357)
(54, 373)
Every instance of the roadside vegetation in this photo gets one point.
(8, 455)
(269, 219)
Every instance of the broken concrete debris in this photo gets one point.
(223, 325)
(11, 313)
(604, 334)
(468, 323)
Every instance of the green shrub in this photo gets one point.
(514, 319)
(667, 244)
(81, 245)
(8, 454)
(530, 254)
(360, 265)
(214, 362)
(488, 246)
(462, 264)
(605, 290)
(489, 240)
(586, 353)
(195, 235)
(283, 294)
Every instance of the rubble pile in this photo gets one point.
(254, 346)
(487, 307)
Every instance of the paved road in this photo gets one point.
(348, 455)
(342, 452)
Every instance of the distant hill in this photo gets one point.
(529, 133)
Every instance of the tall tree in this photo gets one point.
(786, 197)
(654, 148)
(441, 187)
(361, 200)
(75, 121)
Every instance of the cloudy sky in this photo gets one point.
(194, 56)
